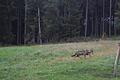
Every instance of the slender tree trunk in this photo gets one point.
(92, 27)
(86, 26)
(25, 28)
(39, 26)
(9, 21)
(19, 19)
(9, 33)
(103, 17)
(96, 27)
(18, 25)
(115, 30)
(110, 18)
(20, 28)
(96, 19)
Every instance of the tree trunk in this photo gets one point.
(9, 21)
(110, 18)
(39, 26)
(18, 25)
(25, 29)
(86, 22)
(103, 17)
(96, 27)
(92, 32)
(115, 6)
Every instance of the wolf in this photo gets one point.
(83, 53)
(88, 53)
(78, 53)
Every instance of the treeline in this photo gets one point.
(44, 21)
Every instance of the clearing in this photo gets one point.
(54, 62)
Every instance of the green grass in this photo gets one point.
(53, 62)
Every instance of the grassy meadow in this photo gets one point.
(54, 62)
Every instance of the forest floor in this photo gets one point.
(54, 62)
